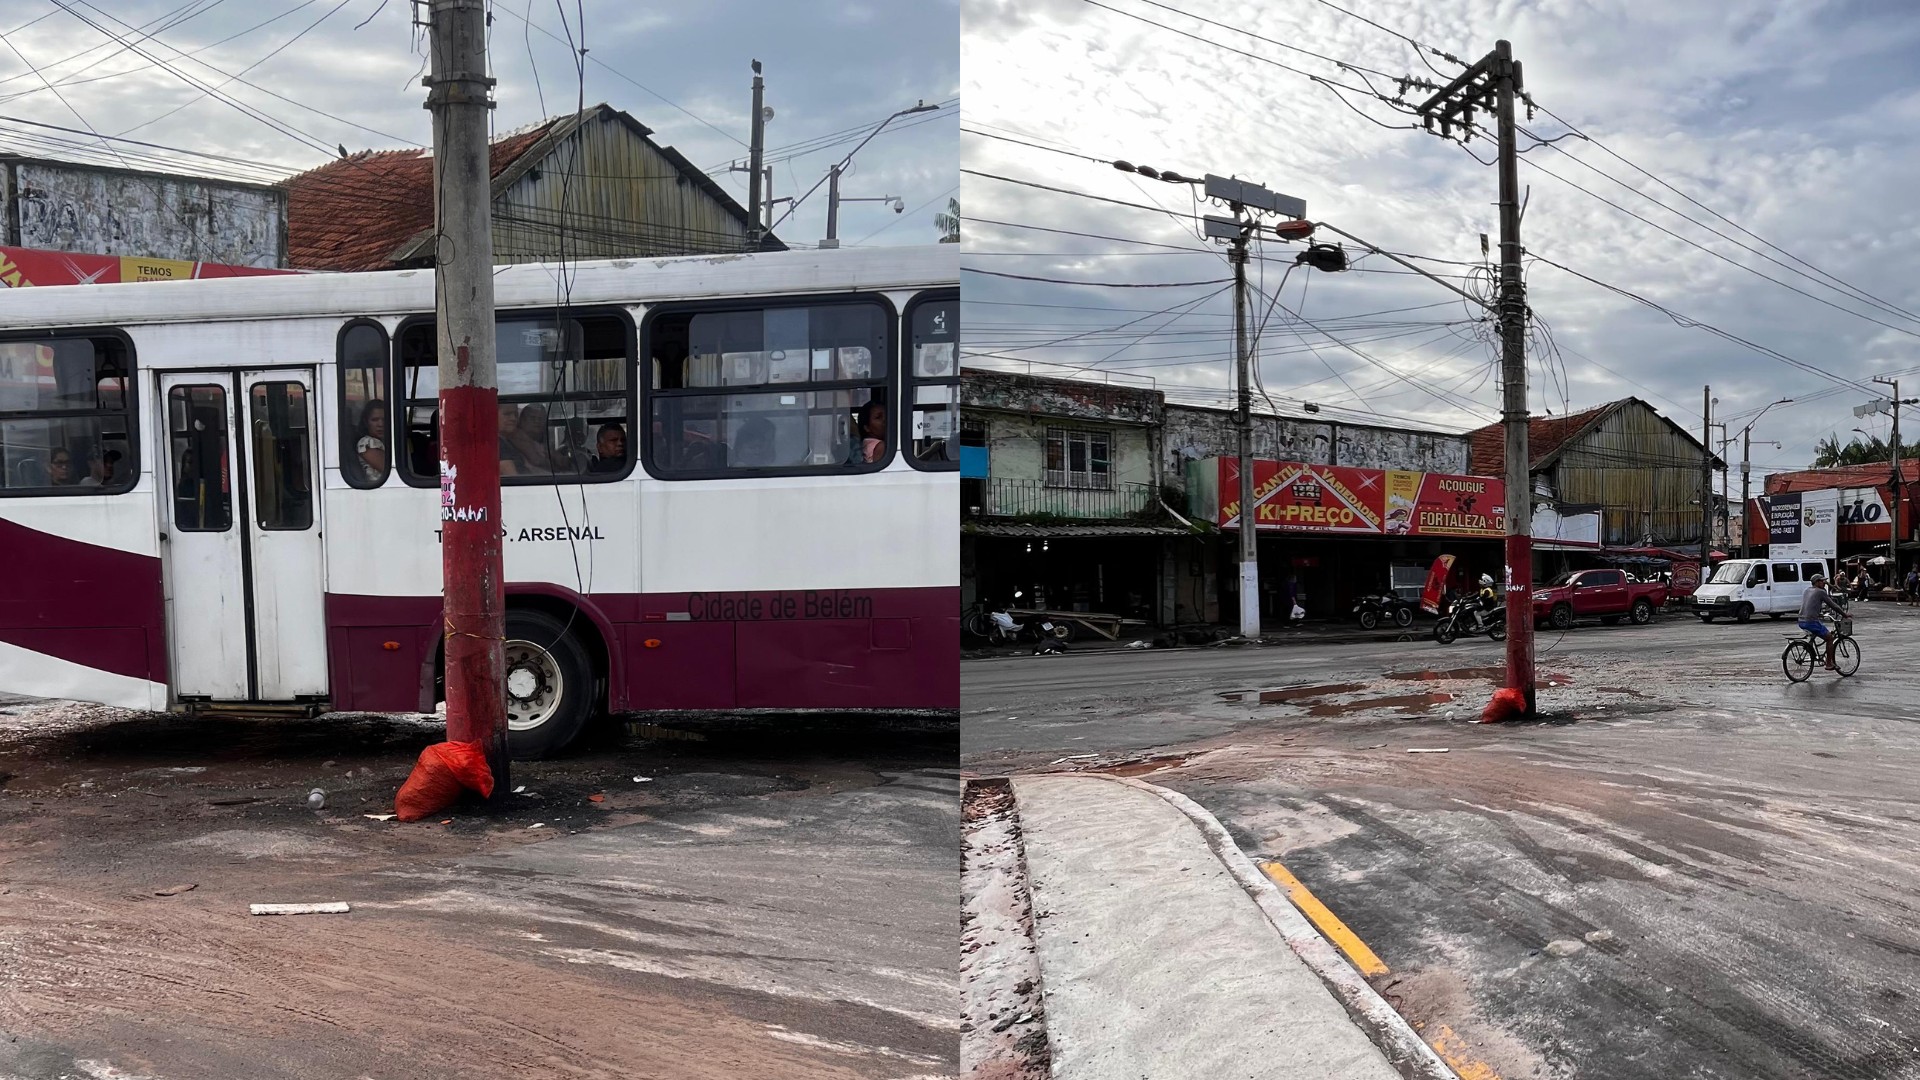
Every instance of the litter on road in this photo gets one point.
(378, 817)
(1428, 749)
(329, 908)
(176, 890)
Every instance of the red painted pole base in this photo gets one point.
(474, 591)
(1520, 617)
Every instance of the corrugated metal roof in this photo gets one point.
(374, 210)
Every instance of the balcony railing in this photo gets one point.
(1005, 498)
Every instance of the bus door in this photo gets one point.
(241, 530)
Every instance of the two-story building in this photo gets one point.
(1061, 501)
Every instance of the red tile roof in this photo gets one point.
(353, 213)
(1487, 446)
(1874, 475)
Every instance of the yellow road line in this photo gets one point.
(1454, 1051)
(1329, 923)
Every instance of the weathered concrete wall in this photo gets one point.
(1195, 433)
(109, 212)
(1066, 398)
(1016, 448)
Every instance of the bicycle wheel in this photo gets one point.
(1846, 656)
(1797, 661)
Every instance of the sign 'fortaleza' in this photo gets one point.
(1336, 499)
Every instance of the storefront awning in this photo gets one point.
(1054, 532)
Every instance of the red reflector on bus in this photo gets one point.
(390, 646)
(653, 643)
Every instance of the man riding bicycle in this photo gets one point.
(1816, 601)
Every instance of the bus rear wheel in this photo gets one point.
(550, 685)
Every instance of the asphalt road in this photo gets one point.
(756, 900)
(1688, 867)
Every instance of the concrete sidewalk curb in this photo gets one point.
(1404, 1048)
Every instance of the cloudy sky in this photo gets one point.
(345, 72)
(1796, 120)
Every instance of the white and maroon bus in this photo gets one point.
(730, 485)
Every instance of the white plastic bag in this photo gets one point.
(1299, 612)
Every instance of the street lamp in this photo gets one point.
(833, 174)
(1746, 467)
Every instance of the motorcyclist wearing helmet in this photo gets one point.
(1485, 600)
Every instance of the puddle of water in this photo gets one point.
(1295, 693)
(1406, 703)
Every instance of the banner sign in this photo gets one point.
(23, 267)
(1803, 524)
(1337, 500)
(1783, 519)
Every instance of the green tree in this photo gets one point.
(1828, 452)
(949, 223)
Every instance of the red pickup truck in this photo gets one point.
(1603, 594)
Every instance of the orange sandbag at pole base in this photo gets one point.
(444, 770)
(1508, 704)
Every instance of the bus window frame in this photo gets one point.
(348, 440)
(396, 379)
(910, 382)
(132, 461)
(889, 355)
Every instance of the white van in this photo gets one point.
(1740, 588)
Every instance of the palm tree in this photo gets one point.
(949, 223)
(1828, 452)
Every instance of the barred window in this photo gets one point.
(1079, 459)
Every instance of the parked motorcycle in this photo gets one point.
(1371, 610)
(1458, 620)
(1000, 628)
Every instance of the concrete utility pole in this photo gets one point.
(1746, 473)
(1490, 86)
(1247, 201)
(1706, 475)
(1746, 456)
(1893, 537)
(1243, 418)
(757, 150)
(473, 605)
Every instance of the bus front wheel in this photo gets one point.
(550, 685)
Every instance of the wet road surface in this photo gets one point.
(763, 901)
(1688, 867)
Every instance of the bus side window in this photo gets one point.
(564, 396)
(366, 433)
(770, 388)
(197, 445)
(932, 423)
(65, 417)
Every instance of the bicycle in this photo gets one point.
(1802, 653)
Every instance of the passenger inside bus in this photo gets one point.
(60, 468)
(752, 444)
(100, 467)
(372, 446)
(610, 449)
(872, 430)
(523, 441)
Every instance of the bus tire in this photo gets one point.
(550, 685)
